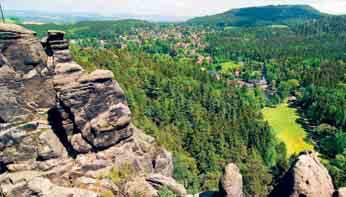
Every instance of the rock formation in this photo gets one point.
(341, 192)
(231, 183)
(26, 91)
(25, 80)
(63, 130)
(307, 177)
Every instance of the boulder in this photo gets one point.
(307, 177)
(231, 183)
(341, 192)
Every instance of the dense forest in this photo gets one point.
(305, 60)
(205, 122)
(185, 86)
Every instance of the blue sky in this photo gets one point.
(162, 7)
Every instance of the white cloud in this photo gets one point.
(333, 6)
(164, 7)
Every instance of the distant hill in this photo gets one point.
(30, 16)
(258, 16)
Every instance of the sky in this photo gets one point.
(162, 7)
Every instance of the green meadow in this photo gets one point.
(230, 66)
(283, 120)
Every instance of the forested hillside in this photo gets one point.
(308, 61)
(260, 16)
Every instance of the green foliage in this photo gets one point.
(323, 101)
(334, 144)
(230, 66)
(337, 168)
(165, 192)
(325, 130)
(186, 172)
(305, 60)
(282, 162)
(256, 175)
(325, 105)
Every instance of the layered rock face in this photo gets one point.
(26, 91)
(91, 107)
(307, 177)
(25, 80)
(64, 131)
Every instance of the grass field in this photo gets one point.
(230, 66)
(282, 119)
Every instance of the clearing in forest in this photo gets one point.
(230, 66)
(283, 120)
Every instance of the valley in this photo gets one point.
(170, 109)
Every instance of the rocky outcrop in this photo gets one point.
(96, 108)
(341, 192)
(57, 46)
(63, 130)
(26, 93)
(231, 183)
(307, 177)
(25, 80)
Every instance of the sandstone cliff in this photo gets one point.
(65, 132)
